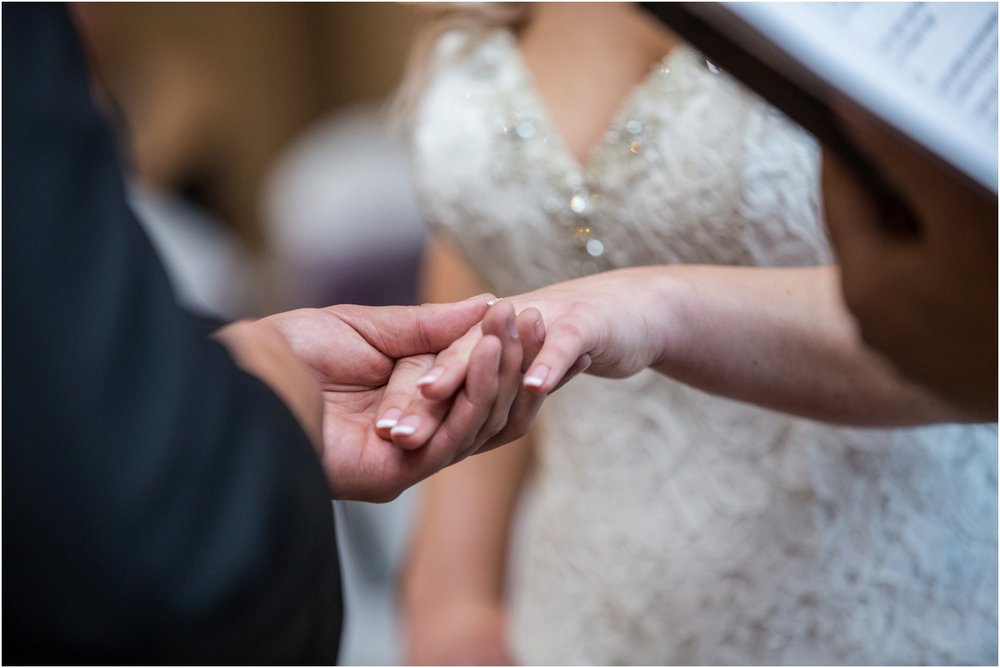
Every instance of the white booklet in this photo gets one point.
(929, 70)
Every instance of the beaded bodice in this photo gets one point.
(663, 525)
(684, 173)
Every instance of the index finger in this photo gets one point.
(452, 363)
(566, 344)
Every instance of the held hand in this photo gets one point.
(611, 324)
(410, 420)
(358, 354)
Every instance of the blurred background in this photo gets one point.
(261, 166)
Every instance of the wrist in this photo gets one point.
(457, 634)
(260, 349)
(665, 309)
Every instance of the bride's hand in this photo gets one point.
(410, 419)
(614, 323)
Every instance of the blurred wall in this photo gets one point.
(212, 92)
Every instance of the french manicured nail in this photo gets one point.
(493, 301)
(431, 376)
(406, 427)
(540, 329)
(536, 377)
(388, 419)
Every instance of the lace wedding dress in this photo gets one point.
(664, 525)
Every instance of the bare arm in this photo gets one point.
(777, 338)
(452, 588)
(782, 339)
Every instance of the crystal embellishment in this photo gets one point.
(525, 129)
(534, 149)
(595, 248)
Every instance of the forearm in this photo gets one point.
(452, 586)
(452, 591)
(459, 546)
(782, 339)
(463, 528)
(778, 338)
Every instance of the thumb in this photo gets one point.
(401, 331)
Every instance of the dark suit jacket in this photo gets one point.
(159, 505)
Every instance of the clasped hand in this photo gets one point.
(611, 324)
(366, 362)
(409, 390)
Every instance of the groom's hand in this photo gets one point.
(353, 352)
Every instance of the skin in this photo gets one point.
(777, 338)
(452, 586)
(338, 367)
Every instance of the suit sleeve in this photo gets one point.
(159, 505)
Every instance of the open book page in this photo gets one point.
(929, 69)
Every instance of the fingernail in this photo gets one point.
(512, 327)
(431, 376)
(406, 427)
(540, 329)
(495, 300)
(536, 377)
(388, 419)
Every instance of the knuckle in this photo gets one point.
(567, 330)
(417, 363)
(448, 440)
(493, 426)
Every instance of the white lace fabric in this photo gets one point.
(664, 525)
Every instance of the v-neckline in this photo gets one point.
(545, 115)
